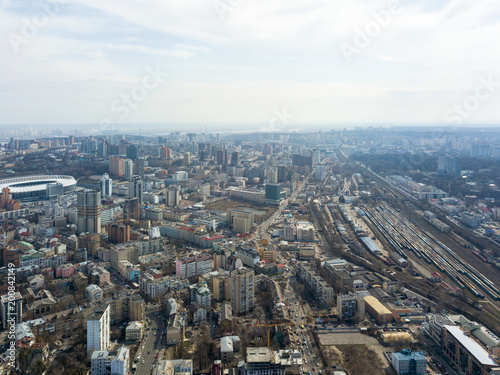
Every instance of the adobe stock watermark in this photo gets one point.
(31, 26)
(363, 37)
(471, 103)
(12, 315)
(279, 120)
(224, 6)
(130, 100)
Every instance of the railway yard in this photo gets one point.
(405, 236)
(394, 225)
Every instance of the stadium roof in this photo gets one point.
(34, 183)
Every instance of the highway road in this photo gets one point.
(150, 345)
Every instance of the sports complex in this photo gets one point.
(38, 187)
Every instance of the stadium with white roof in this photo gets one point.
(35, 188)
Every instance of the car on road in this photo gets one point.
(142, 361)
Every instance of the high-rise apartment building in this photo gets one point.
(132, 209)
(128, 168)
(98, 330)
(135, 188)
(221, 157)
(106, 184)
(118, 233)
(235, 158)
(116, 167)
(242, 290)
(89, 211)
(165, 153)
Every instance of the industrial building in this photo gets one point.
(376, 309)
(370, 245)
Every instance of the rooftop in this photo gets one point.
(261, 354)
(481, 355)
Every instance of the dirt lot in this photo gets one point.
(346, 337)
(360, 354)
(357, 359)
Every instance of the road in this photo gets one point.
(297, 316)
(151, 344)
(311, 362)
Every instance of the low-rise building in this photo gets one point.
(174, 367)
(134, 331)
(409, 363)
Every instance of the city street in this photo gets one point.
(151, 344)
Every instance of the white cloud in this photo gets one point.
(262, 55)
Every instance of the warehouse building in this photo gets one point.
(381, 313)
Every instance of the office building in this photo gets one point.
(407, 362)
(106, 185)
(54, 190)
(172, 196)
(240, 221)
(89, 211)
(273, 192)
(98, 330)
(242, 290)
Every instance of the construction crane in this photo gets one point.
(268, 326)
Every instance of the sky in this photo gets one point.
(250, 64)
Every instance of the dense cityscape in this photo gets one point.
(367, 250)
